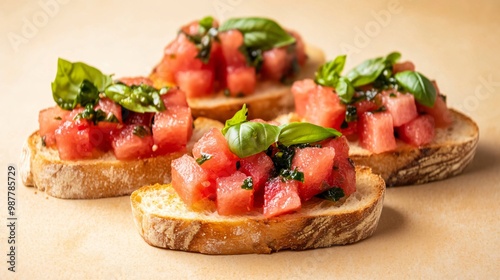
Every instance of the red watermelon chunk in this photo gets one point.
(172, 129)
(259, 167)
(231, 41)
(127, 145)
(136, 81)
(280, 197)
(317, 165)
(49, 120)
(241, 81)
(403, 66)
(110, 107)
(301, 90)
(221, 162)
(275, 63)
(376, 132)
(419, 131)
(440, 112)
(174, 97)
(188, 179)
(73, 140)
(401, 106)
(196, 83)
(232, 199)
(343, 173)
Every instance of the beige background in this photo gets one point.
(447, 229)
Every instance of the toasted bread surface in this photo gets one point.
(164, 221)
(452, 149)
(269, 100)
(101, 177)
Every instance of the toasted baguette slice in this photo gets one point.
(102, 177)
(269, 100)
(164, 221)
(452, 149)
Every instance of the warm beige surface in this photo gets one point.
(447, 229)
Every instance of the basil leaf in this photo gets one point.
(204, 157)
(368, 71)
(344, 89)
(239, 117)
(250, 138)
(259, 33)
(328, 74)
(205, 24)
(333, 194)
(300, 133)
(69, 87)
(292, 175)
(418, 85)
(140, 99)
(96, 116)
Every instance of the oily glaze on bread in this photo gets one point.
(102, 177)
(269, 100)
(452, 149)
(164, 221)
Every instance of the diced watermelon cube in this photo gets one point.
(127, 145)
(110, 107)
(280, 197)
(195, 83)
(49, 120)
(172, 129)
(231, 41)
(241, 81)
(145, 119)
(418, 132)
(259, 167)
(174, 97)
(188, 179)
(232, 198)
(136, 81)
(317, 165)
(376, 132)
(343, 173)
(440, 112)
(401, 106)
(73, 140)
(275, 63)
(220, 162)
(403, 66)
(322, 105)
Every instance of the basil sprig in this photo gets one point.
(369, 70)
(77, 84)
(329, 74)
(418, 85)
(246, 138)
(141, 98)
(259, 33)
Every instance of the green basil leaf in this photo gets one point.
(328, 74)
(204, 157)
(368, 71)
(289, 174)
(418, 85)
(301, 133)
(259, 33)
(69, 87)
(140, 99)
(239, 117)
(344, 89)
(205, 24)
(250, 138)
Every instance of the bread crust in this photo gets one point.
(269, 100)
(102, 177)
(164, 221)
(452, 149)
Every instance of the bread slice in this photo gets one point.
(102, 177)
(164, 221)
(269, 100)
(452, 149)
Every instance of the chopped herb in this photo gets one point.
(333, 194)
(238, 165)
(392, 95)
(247, 184)
(227, 92)
(43, 142)
(141, 131)
(58, 118)
(204, 38)
(351, 113)
(283, 158)
(96, 116)
(289, 174)
(204, 157)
